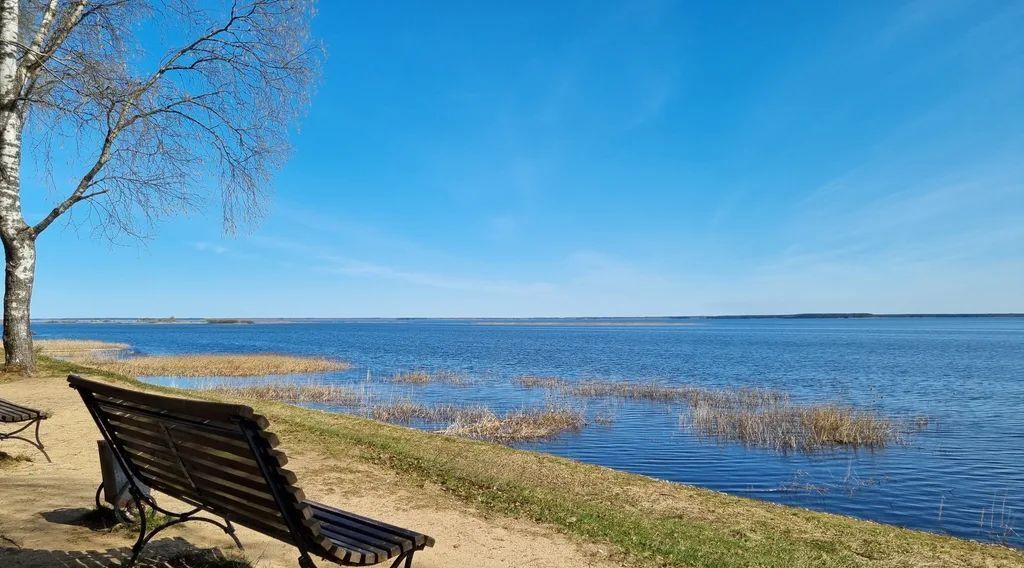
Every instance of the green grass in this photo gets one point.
(646, 522)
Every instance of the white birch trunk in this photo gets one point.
(18, 239)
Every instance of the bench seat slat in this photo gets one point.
(356, 541)
(205, 481)
(330, 515)
(11, 412)
(368, 532)
(246, 478)
(212, 499)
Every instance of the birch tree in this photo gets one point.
(154, 105)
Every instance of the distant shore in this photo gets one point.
(587, 320)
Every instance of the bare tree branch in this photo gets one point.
(211, 117)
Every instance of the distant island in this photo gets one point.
(228, 320)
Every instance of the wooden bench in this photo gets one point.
(220, 459)
(11, 413)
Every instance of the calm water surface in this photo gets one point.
(963, 475)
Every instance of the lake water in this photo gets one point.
(962, 475)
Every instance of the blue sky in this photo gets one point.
(633, 158)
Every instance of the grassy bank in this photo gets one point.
(648, 522)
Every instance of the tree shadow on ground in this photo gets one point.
(164, 553)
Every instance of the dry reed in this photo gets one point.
(480, 422)
(651, 391)
(420, 377)
(221, 365)
(406, 411)
(288, 392)
(786, 427)
(534, 381)
(521, 425)
(71, 347)
(747, 397)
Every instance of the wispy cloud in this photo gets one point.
(322, 259)
(210, 247)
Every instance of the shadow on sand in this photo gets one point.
(163, 553)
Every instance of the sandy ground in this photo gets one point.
(45, 507)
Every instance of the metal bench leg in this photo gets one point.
(230, 529)
(140, 543)
(407, 557)
(144, 538)
(306, 562)
(38, 443)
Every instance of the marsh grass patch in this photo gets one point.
(536, 381)
(792, 427)
(423, 377)
(656, 392)
(77, 348)
(407, 412)
(289, 392)
(221, 365)
(482, 423)
(521, 425)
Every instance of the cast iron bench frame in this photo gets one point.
(220, 459)
(11, 413)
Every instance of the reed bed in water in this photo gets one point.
(74, 347)
(220, 365)
(651, 391)
(482, 423)
(747, 397)
(288, 392)
(521, 425)
(407, 411)
(420, 377)
(533, 381)
(787, 427)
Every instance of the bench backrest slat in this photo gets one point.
(212, 455)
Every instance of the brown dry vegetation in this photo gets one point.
(651, 391)
(420, 377)
(219, 365)
(753, 416)
(533, 381)
(748, 397)
(288, 392)
(482, 423)
(406, 411)
(794, 427)
(75, 347)
(520, 425)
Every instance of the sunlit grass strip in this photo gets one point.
(421, 377)
(794, 427)
(288, 392)
(58, 347)
(221, 365)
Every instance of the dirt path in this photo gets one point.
(45, 507)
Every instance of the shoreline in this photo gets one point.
(553, 320)
(644, 519)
